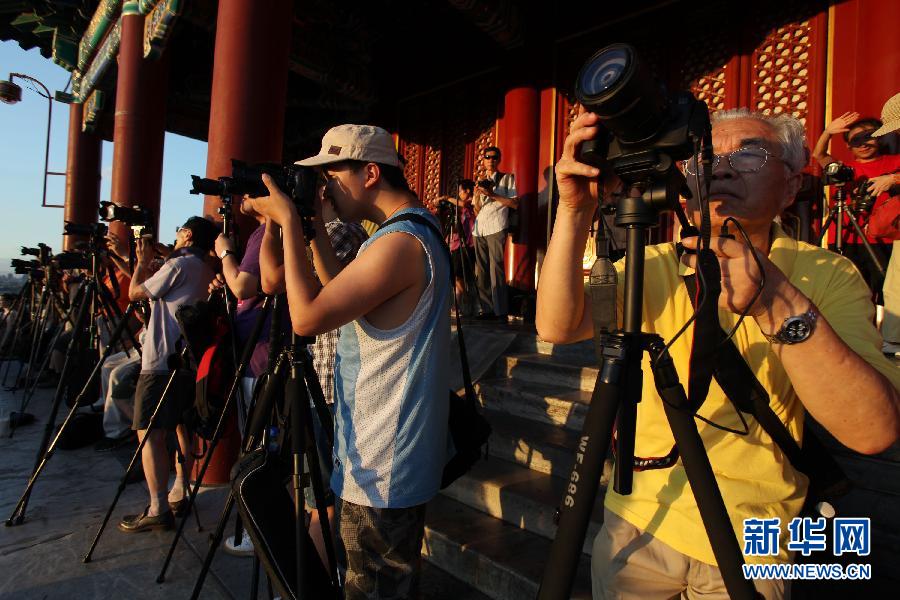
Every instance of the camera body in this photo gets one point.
(18, 263)
(299, 183)
(863, 200)
(42, 253)
(66, 261)
(646, 127)
(138, 218)
(93, 230)
(837, 173)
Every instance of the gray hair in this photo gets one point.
(787, 129)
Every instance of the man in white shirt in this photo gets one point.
(492, 206)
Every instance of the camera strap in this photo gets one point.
(421, 220)
(748, 395)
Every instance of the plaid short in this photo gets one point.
(383, 551)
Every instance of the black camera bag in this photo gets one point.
(468, 428)
(259, 484)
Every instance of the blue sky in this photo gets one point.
(24, 127)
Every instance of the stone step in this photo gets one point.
(542, 368)
(524, 498)
(551, 404)
(499, 560)
(538, 446)
(526, 343)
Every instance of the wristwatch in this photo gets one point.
(795, 329)
(225, 253)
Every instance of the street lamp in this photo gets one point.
(10, 93)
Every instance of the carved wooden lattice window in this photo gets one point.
(781, 67)
(412, 154)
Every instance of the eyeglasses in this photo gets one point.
(178, 229)
(742, 160)
(491, 157)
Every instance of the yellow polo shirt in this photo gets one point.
(755, 478)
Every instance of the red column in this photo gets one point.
(82, 175)
(140, 117)
(249, 89)
(519, 144)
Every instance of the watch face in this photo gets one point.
(796, 329)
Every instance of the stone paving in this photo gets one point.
(41, 558)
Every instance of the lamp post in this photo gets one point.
(10, 93)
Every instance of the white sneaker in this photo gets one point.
(245, 548)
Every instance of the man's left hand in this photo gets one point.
(881, 183)
(741, 276)
(276, 207)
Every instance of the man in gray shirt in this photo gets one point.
(182, 279)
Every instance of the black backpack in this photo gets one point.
(468, 428)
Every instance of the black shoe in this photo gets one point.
(109, 444)
(180, 508)
(141, 522)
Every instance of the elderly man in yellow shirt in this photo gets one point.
(837, 373)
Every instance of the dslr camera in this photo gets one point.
(137, 217)
(863, 200)
(69, 260)
(42, 253)
(299, 183)
(837, 173)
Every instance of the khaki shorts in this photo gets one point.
(629, 564)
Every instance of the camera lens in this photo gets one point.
(603, 71)
(616, 85)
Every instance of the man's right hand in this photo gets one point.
(144, 251)
(577, 181)
(842, 123)
(217, 283)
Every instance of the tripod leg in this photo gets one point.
(137, 453)
(18, 514)
(254, 580)
(214, 542)
(877, 261)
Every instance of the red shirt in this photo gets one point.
(885, 209)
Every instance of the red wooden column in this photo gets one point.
(139, 131)
(519, 145)
(82, 175)
(249, 90)
(246, 122)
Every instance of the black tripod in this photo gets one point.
(455, 227)
(291, 377)
(23, 308)
(619, 384)
(836, 214)
(232, 397)
(91, 298)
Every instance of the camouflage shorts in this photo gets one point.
(383, 548)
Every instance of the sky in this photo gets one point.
(24, 127)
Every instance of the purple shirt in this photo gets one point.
(248, 310)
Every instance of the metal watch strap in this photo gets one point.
(778, 337)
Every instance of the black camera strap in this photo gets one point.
(421, 220)
(748, 395)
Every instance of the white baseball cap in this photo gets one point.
(366, 143)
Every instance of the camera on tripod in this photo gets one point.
(66, 261)
(138, 218)
(299, 183)
(92, 230)
(42, 253)
(837, 173)
(18, 263)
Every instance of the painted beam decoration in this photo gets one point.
(65, 51)
(91, 112)
(104, 17)
(158, 26)
(105, 56)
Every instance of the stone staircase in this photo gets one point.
(493, 527)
